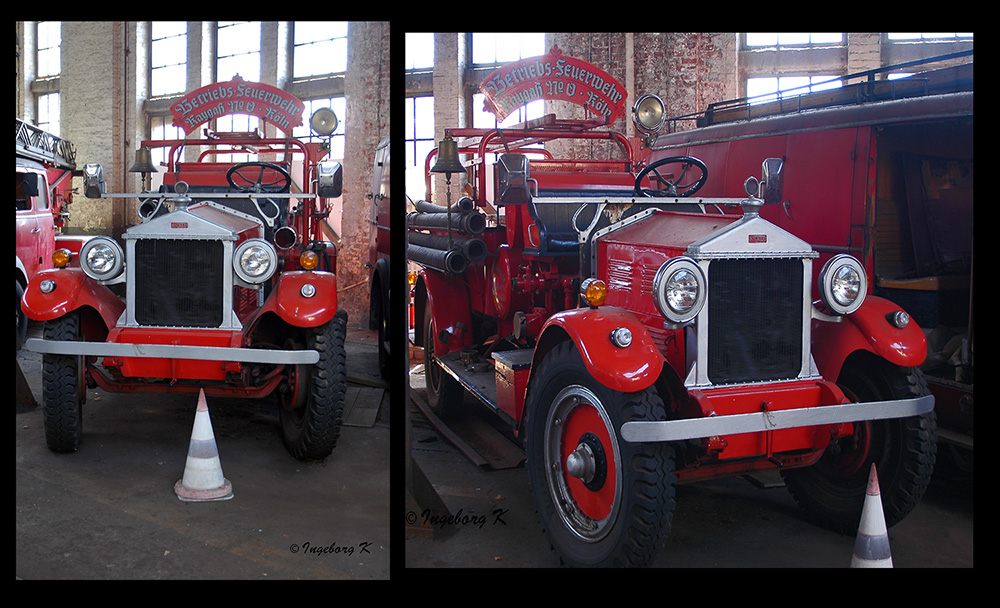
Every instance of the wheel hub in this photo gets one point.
(588, 462)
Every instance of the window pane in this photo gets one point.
(758, 39)
(320, 48)
(48, 113)
(506, 47)
(786, 38)
(168, 80)
(49, 34)
(419, 51)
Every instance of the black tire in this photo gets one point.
(62, 388)
(311, 421)
(620, 511)
(444, 393)
(380, 321)
(832, 492)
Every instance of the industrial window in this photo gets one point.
(319, 48)
(168, 58)
(48, 41)
(238, 47)
(779, 40)
(419, 138)
(767, 89)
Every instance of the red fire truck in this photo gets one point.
(636, 335)
(230, 284)
(44, 166)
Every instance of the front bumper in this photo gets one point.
(755, 422)
(172, 351)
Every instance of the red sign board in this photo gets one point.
(554, 76)
(280, 108)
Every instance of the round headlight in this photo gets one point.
(255, 260)
(648, 113)
(843, 284)
(102, 258)
(679, 289)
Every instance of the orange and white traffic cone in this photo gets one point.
(871, 549)
(203, 479)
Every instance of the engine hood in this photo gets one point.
(704, 236)
(205, 220)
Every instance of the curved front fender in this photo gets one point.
(287, 301)
(73, 290)
(867, 329)
(628, 369)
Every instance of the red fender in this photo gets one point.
(867, 329)
(449, 302)
(73, 290)
(286, 299)
(628, 369)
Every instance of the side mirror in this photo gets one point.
(93, 180)
(330, 175)
(770, 187)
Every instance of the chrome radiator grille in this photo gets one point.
(179, 282)
(755, 319)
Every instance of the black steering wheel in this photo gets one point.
(270, 178)
(675, 187)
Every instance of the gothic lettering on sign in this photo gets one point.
(553, 76)
(280, 108)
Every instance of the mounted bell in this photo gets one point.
(143, 161)
(447, 159)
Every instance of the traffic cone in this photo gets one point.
(871, 549)
(203, 479)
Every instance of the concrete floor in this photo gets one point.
(109, 511)
(724, 523)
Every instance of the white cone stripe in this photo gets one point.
(202, 427)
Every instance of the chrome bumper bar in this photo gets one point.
(698, 428)
(172, 351)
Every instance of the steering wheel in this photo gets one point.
(270, 178)
(668, 187)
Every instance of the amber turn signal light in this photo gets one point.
(61, 257)
(309, 260)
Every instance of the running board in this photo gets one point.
(478, 378)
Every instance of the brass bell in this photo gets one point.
(447, 160)
(143, 161)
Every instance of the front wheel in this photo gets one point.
(63, 388)
(601, 501)
(832, 492)
(311, 409)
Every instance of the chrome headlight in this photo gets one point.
(679, 289)
(255, 260)
(843, 284)
(102, 258)
(648, 113)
